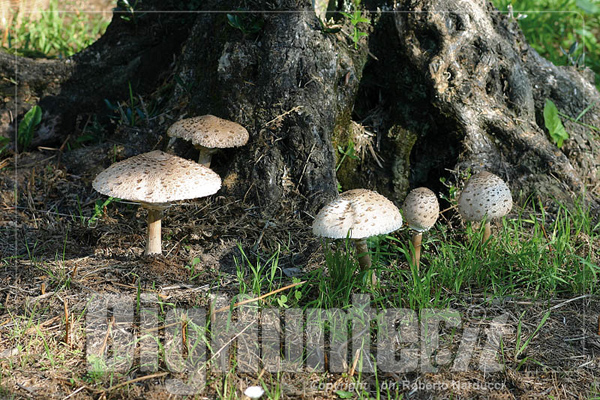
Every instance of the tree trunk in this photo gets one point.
(437, 85)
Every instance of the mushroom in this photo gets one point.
(485, 196)
(154, 180)
(209, 134)
(358, 214)
(421, 210)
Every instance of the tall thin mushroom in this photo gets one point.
(421, 210)
(485, 196)
(155, 180)
(358, 214)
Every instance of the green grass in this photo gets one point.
(55, 34)
(531, 255)
(552, 24)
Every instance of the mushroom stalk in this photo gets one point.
(362, 252)
(154, 245)
(487, 231)
(364, 259)
(416, 242)
(205, 156)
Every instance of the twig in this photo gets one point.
(108, 329)
(356, 355)
(280, 117)
(310, 153)
(141, 378)
(75, 392)
(259, 297)
(67, 323)
(569, 301)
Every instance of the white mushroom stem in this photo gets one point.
(154, 245)
(487, 231)
(205, 156)
(416, 243)
(364, 259)
(362, 252)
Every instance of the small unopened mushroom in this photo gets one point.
(209, 134)
(485, 196)
(358, 214)
(421, 210)
(155, 180)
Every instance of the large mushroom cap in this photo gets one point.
(210, 131)
(484, 194)
(357, 214)
(156, 178)
(421, 209)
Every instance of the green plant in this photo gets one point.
(99, 209)
(54, 33)
(262, 274)
(245, 22)
(27, 126)
(557, 131)
(553, 25)
(192, 268)
(356, 17)
(4, 143)
(128, 11)
(521, 345)
(129, 113)
(348, 152)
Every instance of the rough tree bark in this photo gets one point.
(437, 85)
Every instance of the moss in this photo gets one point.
(403, 140)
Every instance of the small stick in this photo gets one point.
(141, 378)
(67, 324)
(356, 354)
(259, 297)
(108, 329)
(184, 323)
(43, 289)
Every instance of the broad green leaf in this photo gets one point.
(588, 6)
(30, 121)
(557, 131)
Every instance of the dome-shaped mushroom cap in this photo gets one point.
(157, 177)
(421, 209)
(484, 193)
(210, 131)
(358, 214)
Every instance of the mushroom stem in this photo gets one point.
(205, 156)
(416, 243)
(154, 231)
(364, 259)
(487, 231)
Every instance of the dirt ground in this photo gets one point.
(54, 262)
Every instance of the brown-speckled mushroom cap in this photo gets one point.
(157, 178)
(357, 214)
(484, 194)
(421, 209)
(210, 131)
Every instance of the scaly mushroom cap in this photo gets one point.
(157, 178)
(210, 131)
(421, 209)
(484, 194)
(357, 214)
